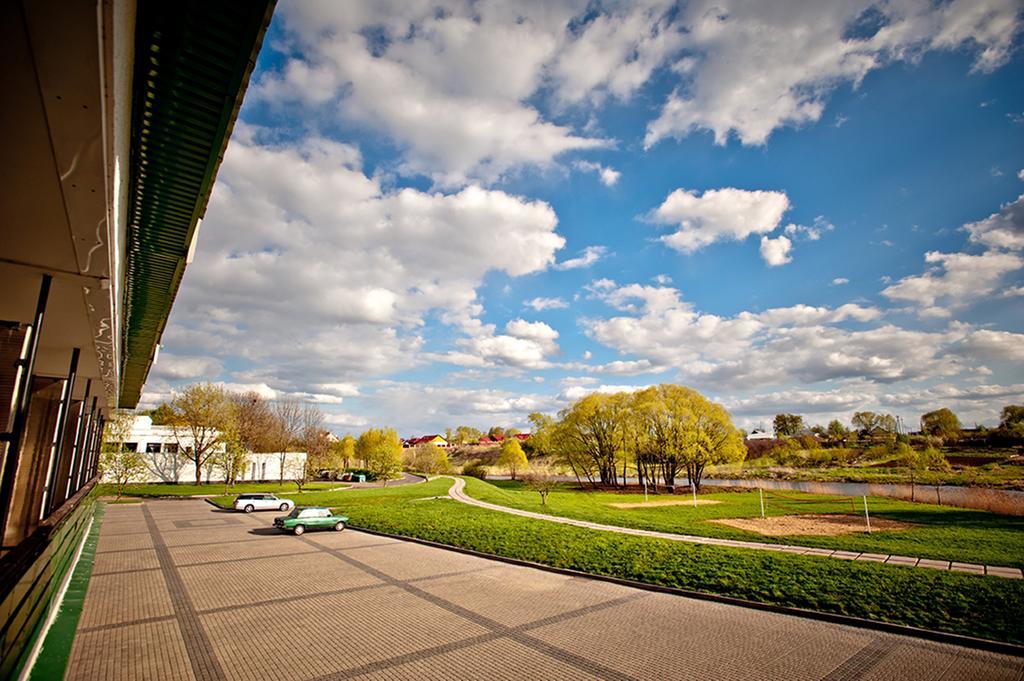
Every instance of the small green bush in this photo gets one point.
(475, 469)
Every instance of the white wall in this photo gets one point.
(165, 462)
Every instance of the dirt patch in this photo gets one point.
(671, 502)
(811, 524)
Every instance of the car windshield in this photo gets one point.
(295, 513)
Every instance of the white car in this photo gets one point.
(262, 502)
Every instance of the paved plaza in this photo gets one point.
(181, 590)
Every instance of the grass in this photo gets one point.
(995, 475)
(213, 488)
(947, 601)
(940, 532)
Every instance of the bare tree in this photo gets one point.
(286, 429)
(117, 462)
(315, 440)
(253, 420)
(541, 481)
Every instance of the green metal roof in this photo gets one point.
(193, 60)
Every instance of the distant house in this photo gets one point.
(435, 440)
(758, 434)
(522, 437)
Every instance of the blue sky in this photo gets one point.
(435, 214)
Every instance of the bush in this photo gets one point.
(475, 469)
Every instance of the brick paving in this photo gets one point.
(169, 603)
(458, 493)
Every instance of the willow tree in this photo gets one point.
(381, 450)
(589, 434)
(713, 438)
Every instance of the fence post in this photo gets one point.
(867, 518)
(693, 488)
(760, 494)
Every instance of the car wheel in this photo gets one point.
(249, 508)
(284, 507)
(340, 526)
(299, 529)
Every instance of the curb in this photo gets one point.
(834, 618)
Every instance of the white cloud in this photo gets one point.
(753, 67)
(662, 279)
(954, 280)
(313, 273)
(781, 345)
(448, 83)
(175, 367)
(609, 177)
(590, 255)
(1004, 229)
(718, 214)
(541, 304)
(776, 251)
(840, 281)
(524, 345)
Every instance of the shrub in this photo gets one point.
(475, 469)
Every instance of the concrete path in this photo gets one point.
(181, 590)
(458, 493)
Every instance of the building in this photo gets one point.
(436, 440)
(758, 434)
(164, 451)
(115, 118)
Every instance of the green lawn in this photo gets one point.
(948, 601)
(940, 532)
(185, 490)
(990, 475)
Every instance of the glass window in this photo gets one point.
(131, 446)
(152, 448)
(171, 448)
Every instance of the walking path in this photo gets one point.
(458, 493)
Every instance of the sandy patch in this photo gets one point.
(824, 525)
(671, 502)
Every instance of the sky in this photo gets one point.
(434, 214)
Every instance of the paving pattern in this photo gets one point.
(458, 492)
(181, 590)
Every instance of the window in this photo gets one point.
(131, 446)
(152, 448)
(171, 448)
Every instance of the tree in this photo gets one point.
(941, 423)
(347, 447)
(788, 425)
(837, 432)
(117, 463)
(163, 415)
(232, 459)
(541, 481)
(381, 449)
(465, 435)
(1011, 420)
(588, 435)
(316, 443)
(512, 457)
(254, 421)
(201, 413)
(870, 424)
(286, 426)
(541, 427)
(496, 431)
(426, 458)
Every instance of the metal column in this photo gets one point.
(22, 398)
(76, 450)
(58, 443)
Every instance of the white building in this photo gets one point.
(758, 434)
(167, 461)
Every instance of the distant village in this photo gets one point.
(441, 441)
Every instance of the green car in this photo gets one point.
(310, 518)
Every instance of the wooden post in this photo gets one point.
(867, 518)
(693, 488)
(760, 494)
